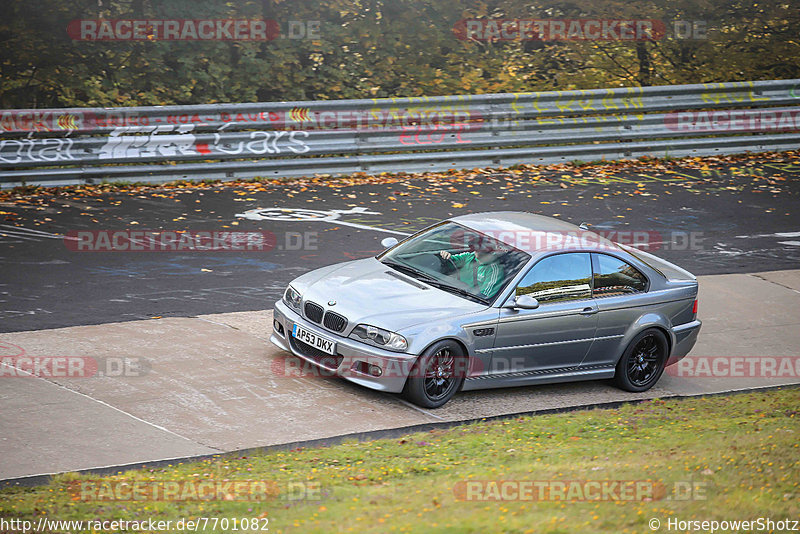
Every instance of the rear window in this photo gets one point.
(615, 277)
(662, 267)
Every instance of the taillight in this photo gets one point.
(694, 308)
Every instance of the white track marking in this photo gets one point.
(776, 234)
(159, 427)
(417, 408)
(30, 232)
(305, 215)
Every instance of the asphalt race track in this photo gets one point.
(714, 224)
(195, 323)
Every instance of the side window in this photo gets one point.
(559, 278)
(615, 277)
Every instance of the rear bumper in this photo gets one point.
(353, 358)
(685, 336)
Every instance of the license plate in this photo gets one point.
(319, 342)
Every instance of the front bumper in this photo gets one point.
(353, 359)
(685, 337)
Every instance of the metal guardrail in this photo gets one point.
(286, 139)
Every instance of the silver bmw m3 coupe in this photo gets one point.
(492, 300)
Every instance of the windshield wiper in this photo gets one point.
(430, 280)
(409, 270)
(457, 291)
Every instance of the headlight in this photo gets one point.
(292, 298)
(379, 337)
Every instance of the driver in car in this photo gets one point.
(478, 267)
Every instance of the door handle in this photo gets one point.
(589, 311)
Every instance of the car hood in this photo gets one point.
(367, 291)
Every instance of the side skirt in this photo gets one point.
(527, 378)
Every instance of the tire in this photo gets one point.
(643, 361)
(431, 385)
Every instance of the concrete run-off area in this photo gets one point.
(177, 387)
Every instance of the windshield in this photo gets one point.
(457, 259)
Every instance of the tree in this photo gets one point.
(378, 48)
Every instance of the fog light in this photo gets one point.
(367, 369)
(278, 327)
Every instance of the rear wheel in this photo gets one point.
(436, 375)
(643, 361)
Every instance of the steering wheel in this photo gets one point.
(452, 265)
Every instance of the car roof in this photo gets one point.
(534, 233)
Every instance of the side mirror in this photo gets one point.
(523, 302)
(389, 242)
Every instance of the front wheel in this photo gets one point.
(436, 375)
(643, 361)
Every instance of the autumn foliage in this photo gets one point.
(379, 48)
